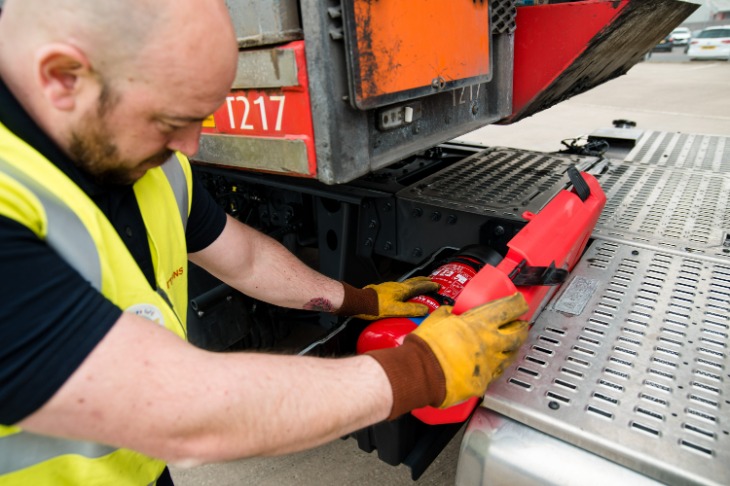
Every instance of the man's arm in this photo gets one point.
(145, 389)
(260, 267)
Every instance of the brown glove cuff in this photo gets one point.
(358, 301)
(414, 373)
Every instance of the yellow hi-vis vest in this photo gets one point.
(35, 193)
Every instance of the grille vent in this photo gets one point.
(504, 14)
(642, 374)
(503, 181)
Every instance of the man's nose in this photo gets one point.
(186, 140)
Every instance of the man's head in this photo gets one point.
(118, 85)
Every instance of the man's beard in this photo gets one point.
(93, 151)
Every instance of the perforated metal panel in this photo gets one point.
(681, 150)
(631, 362)
(503, 181)
(504, 16)
(683, 209)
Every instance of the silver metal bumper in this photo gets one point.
(520, 455)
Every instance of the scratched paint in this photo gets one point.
(406, 45)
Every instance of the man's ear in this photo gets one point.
(62, 71)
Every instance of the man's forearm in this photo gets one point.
(142, 388)
(300, 403)
(260, 267)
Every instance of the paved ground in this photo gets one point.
(687, 96)
(677, 96)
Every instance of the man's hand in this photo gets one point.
(388, 299)
(450, 358)
(475, 347)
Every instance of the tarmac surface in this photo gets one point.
(690, 97)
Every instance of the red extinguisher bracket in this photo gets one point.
(538, 259)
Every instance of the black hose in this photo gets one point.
(208, 299)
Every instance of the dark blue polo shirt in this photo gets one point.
(50, 316)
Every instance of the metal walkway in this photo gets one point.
(630, 360)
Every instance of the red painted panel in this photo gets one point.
(550, 37)
(276, 113)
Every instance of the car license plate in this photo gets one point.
(708, 47)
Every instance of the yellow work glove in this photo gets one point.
(450, 358)
(475, 347)
(388, 299)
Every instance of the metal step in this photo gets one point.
(683, 151)
(631, 360)
(501, 182)
(672, 191)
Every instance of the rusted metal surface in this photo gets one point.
(260, 23)
(288, 156)
(348, 141)
(411, 48)
(266, 68)
(565, 49)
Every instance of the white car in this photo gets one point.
(680, 36)
(711, 43)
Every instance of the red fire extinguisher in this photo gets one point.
(452, 275)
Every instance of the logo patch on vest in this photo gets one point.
(149, 312)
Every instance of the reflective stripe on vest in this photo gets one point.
(176, 177)
(31, 449)
(175, 173)
(66, 233)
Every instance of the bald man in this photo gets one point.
(99, 213)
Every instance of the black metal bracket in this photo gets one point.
(579, 184)
(526, 276)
